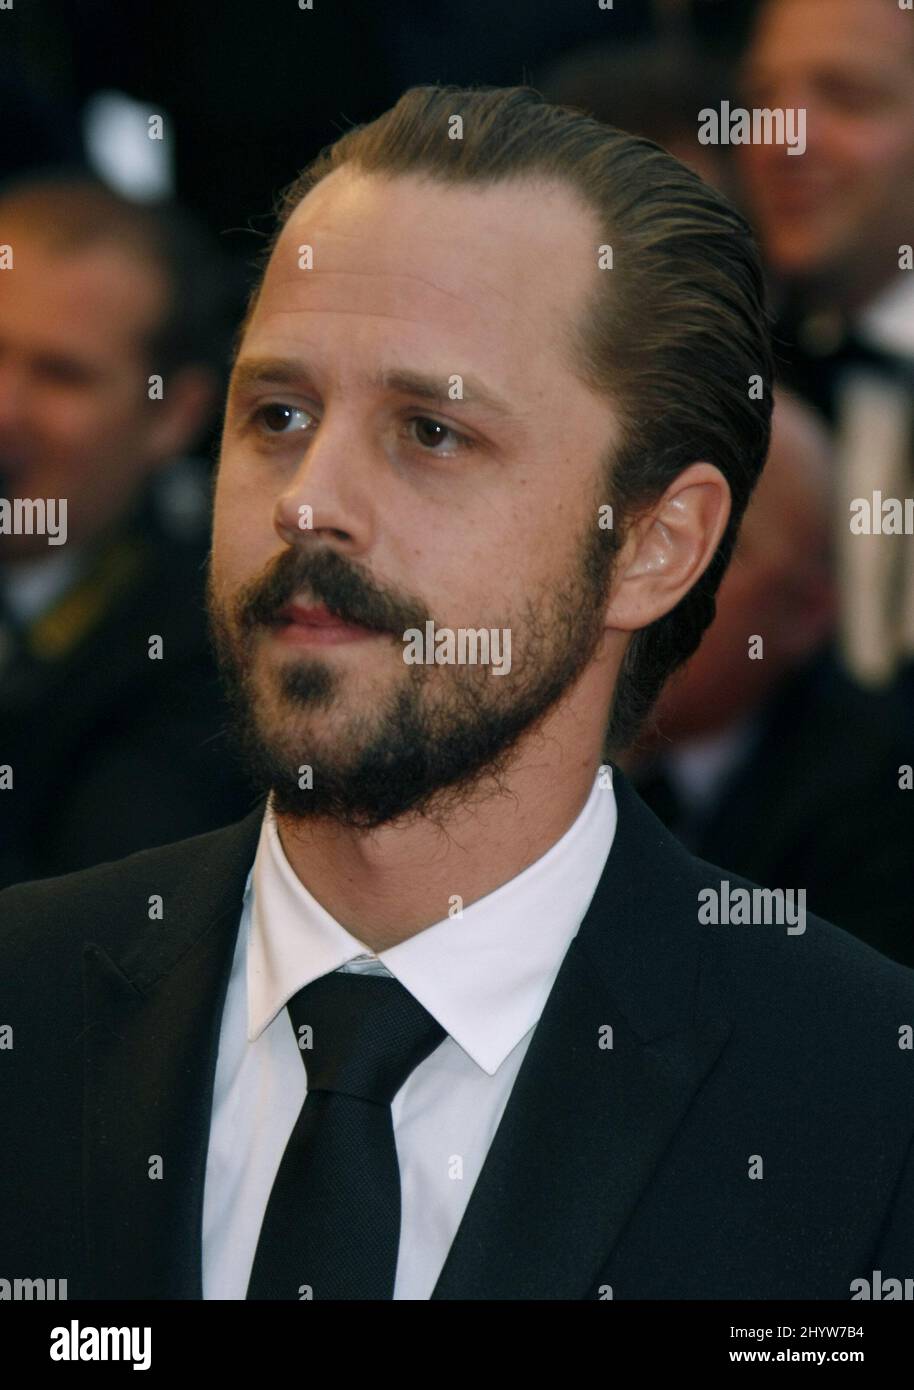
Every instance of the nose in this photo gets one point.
(327, 496)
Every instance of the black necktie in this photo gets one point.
(332, 1224)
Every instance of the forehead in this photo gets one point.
(493, 271)
(77, 297)
(835, 34)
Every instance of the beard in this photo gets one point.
(442, 737)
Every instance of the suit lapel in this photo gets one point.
(153, 1014)
(585, 1125)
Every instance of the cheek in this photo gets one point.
(751, 160)
(76, 423)
(890, 155)
(869, 152)
(244, 538)
(758, 165)
(491, 586)
(104, 425)
(449, 563)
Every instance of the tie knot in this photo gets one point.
(361, 1035)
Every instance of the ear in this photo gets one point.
(668, 548)
(180, 417)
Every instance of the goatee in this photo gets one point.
(443, 736)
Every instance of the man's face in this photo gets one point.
(74, 409)
(472, 513)
(840, 210)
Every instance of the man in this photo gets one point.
(648, 87)
(516, 1062)
(110, 716)
(761, 742)
(835, 225)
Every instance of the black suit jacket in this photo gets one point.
(815, 803)
(623, 1168)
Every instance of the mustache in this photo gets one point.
(325, 577)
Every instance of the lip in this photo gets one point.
(299, 625)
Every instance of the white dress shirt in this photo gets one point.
(484, 976)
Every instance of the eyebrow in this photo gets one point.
(287, 371)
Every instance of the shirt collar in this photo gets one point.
(484, 976)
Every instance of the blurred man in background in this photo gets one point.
(754, 762)
(764, 756)
(113, 321)
(649, 87)
(836, 226)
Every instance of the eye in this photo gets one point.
(276, 418)
(852, 96)
(61, 372)
(430, 433)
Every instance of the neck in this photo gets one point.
(386, 885)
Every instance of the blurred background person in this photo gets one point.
(649, 87)
(836, 226)
(755, 763)
(771, 760)
(114, 740)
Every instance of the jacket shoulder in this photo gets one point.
(51, 912)
(793, 964)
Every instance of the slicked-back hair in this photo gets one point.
(675, 332)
